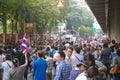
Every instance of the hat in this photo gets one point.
(82, 63)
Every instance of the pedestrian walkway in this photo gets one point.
(30, 76)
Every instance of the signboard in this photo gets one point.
(29, 28)
(93, 29)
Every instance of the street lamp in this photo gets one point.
(60, 4)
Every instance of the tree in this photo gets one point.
(11, 10)
(42, 12)
(85, 31)
(87, 17)
(79, 15)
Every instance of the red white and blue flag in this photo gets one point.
(24, 45)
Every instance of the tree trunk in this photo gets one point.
(16, 21)
(4, 22)
(22, 26)
(16, 30)
(12, 26)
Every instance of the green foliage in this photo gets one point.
(44, 13)
(87, 17)
(79, 15)
(74, 18)
(85, 31)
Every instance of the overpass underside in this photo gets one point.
(107, 13)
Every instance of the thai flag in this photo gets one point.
(24, 45)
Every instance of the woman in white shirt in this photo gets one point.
(92, 72)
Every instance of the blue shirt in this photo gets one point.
(113, 58)
(63, 71)
(39, 66)
(52, 51)
(74, 74)
(34, 57)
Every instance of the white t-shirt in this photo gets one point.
(82, 76)
(7, 65)
(95, 54)
(55, 55)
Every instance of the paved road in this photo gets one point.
(30, 76)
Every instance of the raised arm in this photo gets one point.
(26, 59)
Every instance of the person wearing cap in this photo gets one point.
(81, 67)
(92, 72)
(17, 72)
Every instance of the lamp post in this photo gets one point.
(60, 4)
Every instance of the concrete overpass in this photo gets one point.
(107, 13)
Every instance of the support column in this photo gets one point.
(114, 20)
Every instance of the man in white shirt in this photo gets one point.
(7, 65)
(76, 57)
(1, 58)
(68, 56)
(1, 61)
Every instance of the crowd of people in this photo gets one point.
(86, 60)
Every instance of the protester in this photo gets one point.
(69, 59)
(117, 61)
(1, 61)
(49, 60)
(92, 72)
(17, 72)
(7, 65)
(81, 67)
(47, 49)
(113, 56)
(17, 53)
(39, 66)
(52, 51)
(67, 45)
(34, 55)
(94, 52)
(99, 52)
(76, 56)
(63, 68)
(68, 56)
(105, 56)
(113, 45)
(101, 68)
(1, 58)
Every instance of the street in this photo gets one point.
(30, 76)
